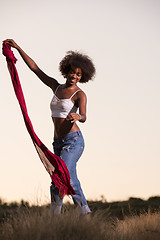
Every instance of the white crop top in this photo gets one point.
(62, 107)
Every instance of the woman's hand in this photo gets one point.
(50, 82)
(73, 117)
(12, 43)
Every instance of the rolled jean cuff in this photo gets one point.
(85, 210)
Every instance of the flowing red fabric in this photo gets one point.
(54, 165)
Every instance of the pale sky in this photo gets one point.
(122, 131)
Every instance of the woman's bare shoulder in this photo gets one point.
(81, 94)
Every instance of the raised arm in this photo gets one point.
(50, 82)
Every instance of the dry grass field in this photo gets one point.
(40, 224)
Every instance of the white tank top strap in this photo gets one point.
(57, 88)
(75, 93)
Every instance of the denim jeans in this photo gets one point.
(69, 147)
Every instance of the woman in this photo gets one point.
(68, 97)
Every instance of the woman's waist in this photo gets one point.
(68, 136)
(69, 141)
(63, 127)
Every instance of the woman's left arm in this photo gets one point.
(82, 103)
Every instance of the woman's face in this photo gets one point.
(74, 76)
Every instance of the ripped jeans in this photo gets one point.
(69, 147)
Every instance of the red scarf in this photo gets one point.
(54, 165)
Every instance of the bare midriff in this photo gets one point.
(63, 126)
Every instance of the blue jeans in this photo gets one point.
(69, 147)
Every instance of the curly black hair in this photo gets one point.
(75, 59)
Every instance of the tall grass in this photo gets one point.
(41, 224)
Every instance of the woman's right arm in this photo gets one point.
(50, 82)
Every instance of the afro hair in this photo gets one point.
(75, 59)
